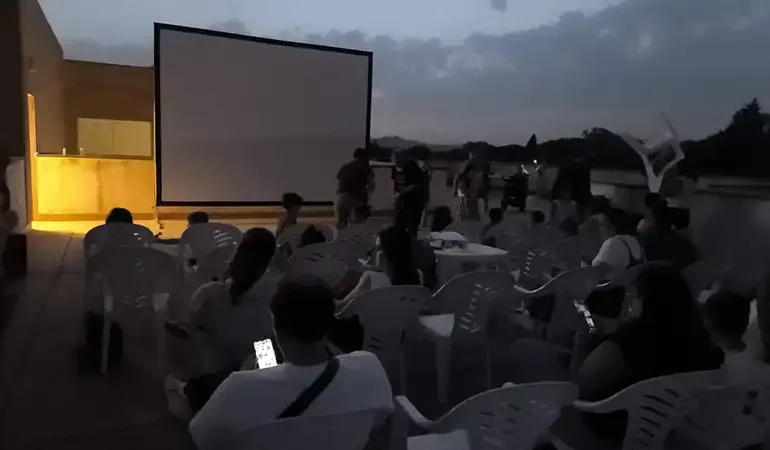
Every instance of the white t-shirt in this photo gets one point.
(617, 252)
(254, 397)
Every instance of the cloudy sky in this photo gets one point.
(449, 71)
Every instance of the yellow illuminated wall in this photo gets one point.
(106, 137)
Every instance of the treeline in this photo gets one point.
(740, 149)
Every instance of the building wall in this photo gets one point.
(11, 82)
(105, 91)
(42, 61)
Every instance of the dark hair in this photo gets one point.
(442, 218)
(495, 215)
(291, 199)
(119, 215)
(599, 205)
(537, 216)
(311, 235)
(303, 308)
(619, 221)
(669, 327)
(362, 212)
(420, 152)
(569, 227)
(198, 217)
(728, 314)
(360, 153)
(252, 257)
(396, 244)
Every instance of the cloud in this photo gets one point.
(697, 60)
(499, 5)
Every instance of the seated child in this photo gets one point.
(193, 218)
(495, 218)
(292, 204)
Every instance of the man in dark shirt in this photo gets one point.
(409, 183)
(354, 180)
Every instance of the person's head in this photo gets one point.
(303, 313)
(197, 217)
(495, 215)
(727, 316)
(400, 157)
(569, 227)
(291, 202)
(599, 204)
(361, 213)
(394, 251)
(311, 235)
(360, 154)
(119, 215)
(421, 153)
(536, 218)
(666, 300)
(251, 259)
(476, 154)
(615, 222)
(656, 209)
(442, 218)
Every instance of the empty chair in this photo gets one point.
(655, 407)
(326, 261)
(385, 314)
(463, 305)
(135, 279)
(199, 239)
(510, 417)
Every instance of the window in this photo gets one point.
(104, 137)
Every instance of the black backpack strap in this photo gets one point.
(312, 392)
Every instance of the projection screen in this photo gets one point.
(241, 120)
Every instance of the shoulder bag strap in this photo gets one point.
(312, 392)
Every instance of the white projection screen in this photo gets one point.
(241, 120)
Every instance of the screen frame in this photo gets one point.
(160, 27)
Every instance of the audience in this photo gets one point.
(442, 218)
(302, 313)
(395, 260)
(119, 215)
(564, 207)
(668, 337)
(292, 204)
(194, 218)
(653, 205)
(311, 235)
(661, 242)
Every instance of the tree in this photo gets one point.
(532, 142)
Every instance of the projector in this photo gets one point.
(445, 240)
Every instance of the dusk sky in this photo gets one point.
(449, 71)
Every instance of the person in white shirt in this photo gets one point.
(302, 311)
(619, 252)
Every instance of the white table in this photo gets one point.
(456, 261)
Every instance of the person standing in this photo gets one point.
(354, 182)
(468, 187)
(516, 190)
(422, 155)
(409, 184)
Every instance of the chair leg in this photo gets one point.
(443, 367)
(106, 327)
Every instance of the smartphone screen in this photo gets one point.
(265, 354)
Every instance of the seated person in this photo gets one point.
(653, 203)
(193, 218)
(662, 243)
(495, 218)
(361, 214)
(226, 312)
(590, 229)
(649, 346)
(311, 235)
(442, 218)
(292, 204)
(119, 215)
(302, 311)
(570, 250)
(727, 317)
(395, 259)
(619, 252)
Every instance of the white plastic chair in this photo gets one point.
(108, 236)
(357, 240)
(732, 417)
(510, 417)
(463, 304)
(655, 407)
(702, 274)
(343, 431)
(135, 279)
(385, 314)
(325, 260)
(203, 238)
